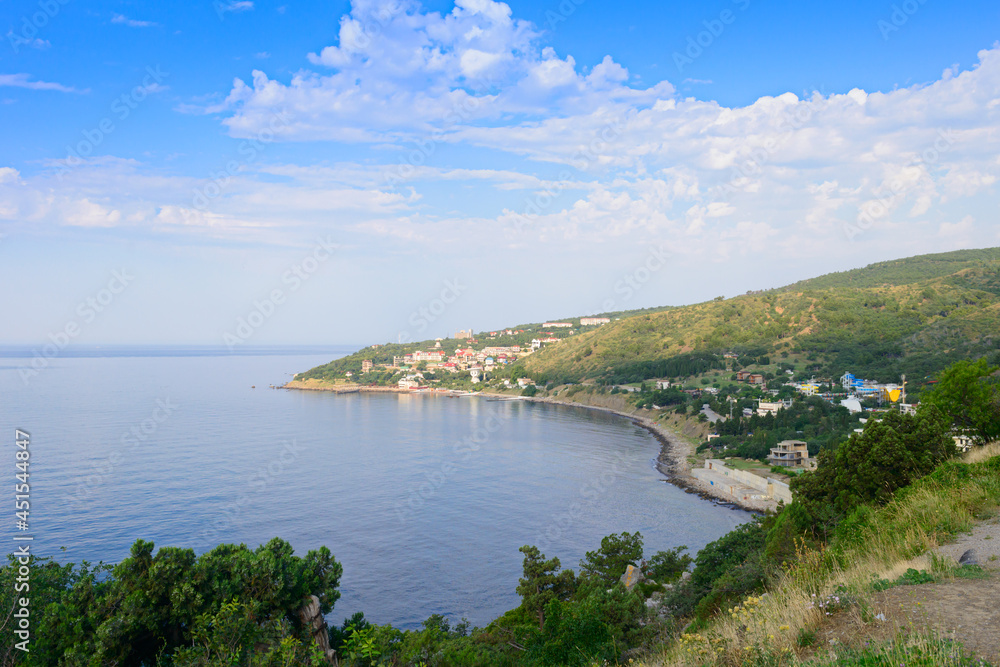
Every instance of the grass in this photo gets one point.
(891, 544)
(913, 650)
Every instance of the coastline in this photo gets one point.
(672, 462)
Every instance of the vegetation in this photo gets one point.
(231, 605)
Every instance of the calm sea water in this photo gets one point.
(424, 500)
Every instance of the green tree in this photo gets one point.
(230, 601)
(542, 582)
(967, 393)
(889, 454)
(667, 566)
(609, 563)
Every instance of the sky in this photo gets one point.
(240, 172)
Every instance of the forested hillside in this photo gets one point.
(912, 315)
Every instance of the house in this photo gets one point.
(789, 453)
(756, 378)
(593, 321)
(663, 384)
(742, 376)
(464, 333)
(524, 382)
(962, 441)
(769, 408)
(550, 325)
(366, 366)
(410, 381)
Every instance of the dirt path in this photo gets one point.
(964, 610)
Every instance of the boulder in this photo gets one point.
(968, 558)
(632, 576)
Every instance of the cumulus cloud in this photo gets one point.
(397, 69)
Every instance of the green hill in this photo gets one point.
(911, 315)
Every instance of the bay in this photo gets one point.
(424, 499)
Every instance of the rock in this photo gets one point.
(968, 558)
(631, 577)
(316, 624)
(685, 576)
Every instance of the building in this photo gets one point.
(756, 378)
(742, 376)
(464, 333)
(553, 325)
(366, 366)
(962, 441)
(852, 404)
(593, 321)
(772, 407)
(663, 384)
(789, 454)
(524, 382)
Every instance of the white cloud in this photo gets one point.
(399, 69)
(24, 81)
(132, 23)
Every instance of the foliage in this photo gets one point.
(968, 394)
(607, 564)
(889, 454)
(542, 582)
(231, 601)
(667, 566)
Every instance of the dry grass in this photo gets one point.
(765, 630)
(978, 454)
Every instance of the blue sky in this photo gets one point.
(336, 167)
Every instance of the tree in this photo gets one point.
(542, 582)
(889, 454)
(666, 566)
(609, 563)
(231, 601)
(968, 394)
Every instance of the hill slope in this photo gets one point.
(908, 315)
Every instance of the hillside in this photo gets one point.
(910, 315)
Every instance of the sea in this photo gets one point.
(424, 499)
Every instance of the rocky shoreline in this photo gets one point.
(672, 461)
